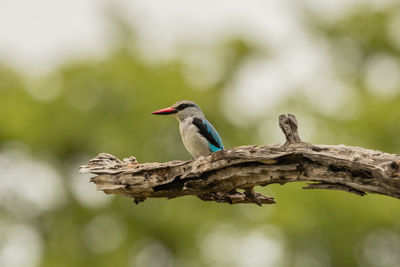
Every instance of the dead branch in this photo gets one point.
(217, 177)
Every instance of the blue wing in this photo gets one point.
(207, 130)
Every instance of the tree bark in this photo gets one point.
(216, 177)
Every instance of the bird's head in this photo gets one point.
(181, 110)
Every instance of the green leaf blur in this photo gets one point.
(94, 105)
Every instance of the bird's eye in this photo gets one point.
(182, 106)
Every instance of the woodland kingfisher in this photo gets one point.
(198, 135)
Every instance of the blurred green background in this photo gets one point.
(335, 65)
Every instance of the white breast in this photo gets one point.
(196, 144)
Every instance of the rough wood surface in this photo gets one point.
(217, 177)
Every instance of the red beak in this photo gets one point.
(165, 111)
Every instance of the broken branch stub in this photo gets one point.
(216, 177)
(288, 124)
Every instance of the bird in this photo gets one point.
(198, 135)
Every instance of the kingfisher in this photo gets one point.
(198, 135)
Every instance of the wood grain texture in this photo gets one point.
(218, 176)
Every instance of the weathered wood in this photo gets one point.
(217, 177)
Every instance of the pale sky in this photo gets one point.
(43, 32)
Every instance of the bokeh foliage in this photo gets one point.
(103, 105)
